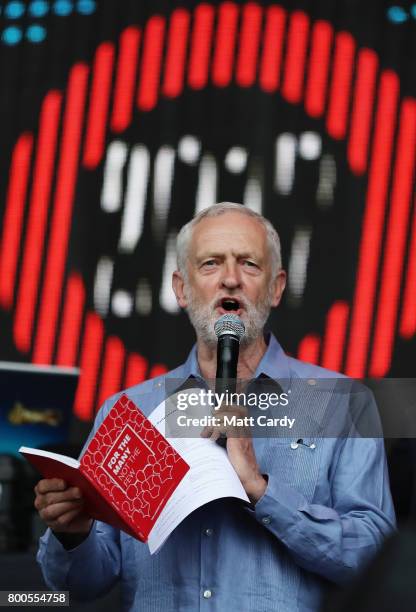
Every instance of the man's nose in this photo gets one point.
(231, 278)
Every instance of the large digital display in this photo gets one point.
(121, 120)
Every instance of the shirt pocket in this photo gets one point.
(295, 462)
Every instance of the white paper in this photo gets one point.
(211, 477)
(42, 453)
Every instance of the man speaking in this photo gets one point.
(317, 514)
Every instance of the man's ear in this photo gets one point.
(279, 287)
(178, 286)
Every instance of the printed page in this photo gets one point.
(211, 477)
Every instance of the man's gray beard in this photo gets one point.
(203, 318)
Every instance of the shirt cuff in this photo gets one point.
(57, 548)
(71, 540)
(278, 509)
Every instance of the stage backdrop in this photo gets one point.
(119, 120)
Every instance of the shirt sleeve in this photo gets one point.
(89, 570)
(337, 539)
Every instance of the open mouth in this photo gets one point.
(230, 305)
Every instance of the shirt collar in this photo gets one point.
(274, 362)
(274, 365)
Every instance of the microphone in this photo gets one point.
(229, 330)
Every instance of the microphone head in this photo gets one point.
(229, 324)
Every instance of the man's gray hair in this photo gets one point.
(185, 235)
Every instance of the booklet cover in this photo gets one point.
(136, 480)
(127, 473)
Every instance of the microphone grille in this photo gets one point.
(230, 324)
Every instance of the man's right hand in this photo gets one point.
(61, 507)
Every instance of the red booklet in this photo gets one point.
(127, 473)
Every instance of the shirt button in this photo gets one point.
(266, 520)
(207, 594)
(208, 532)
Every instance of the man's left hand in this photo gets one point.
(240, 449)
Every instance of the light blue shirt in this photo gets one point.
(324, 514)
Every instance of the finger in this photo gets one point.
(212, 433)
(72, 494)
(216, 434)
(239, 411)
(220, 430)
(222, 408)
(52, 512)
(47, 499)
(222, 427)
(50, 484)
(231, 407)
(64, 520)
